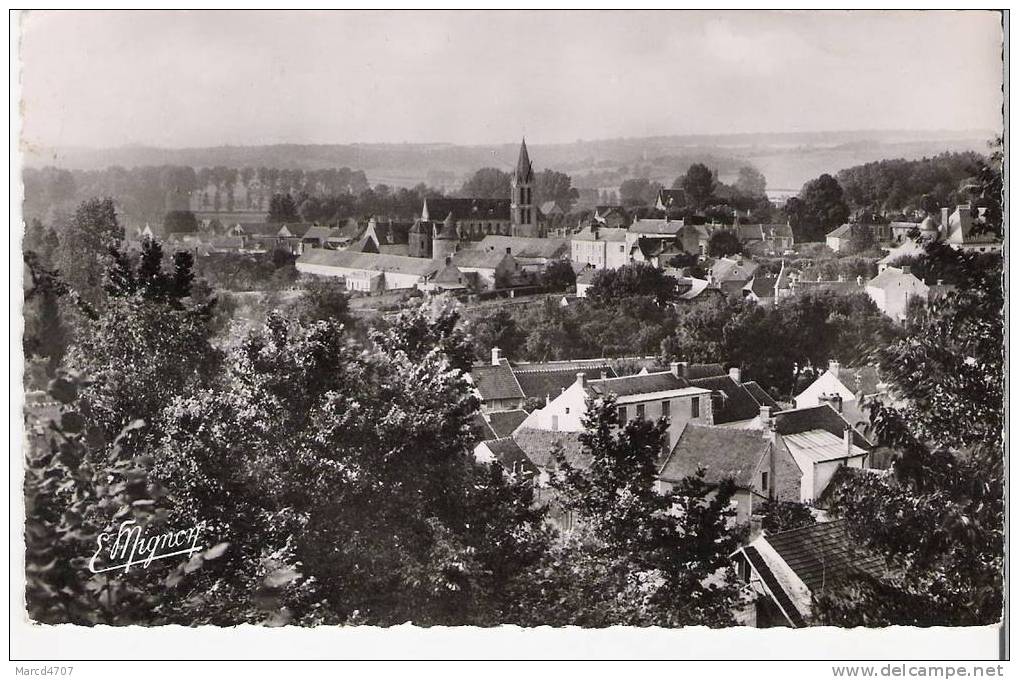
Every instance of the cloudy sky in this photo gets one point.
(180, 79)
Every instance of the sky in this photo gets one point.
(189, 79)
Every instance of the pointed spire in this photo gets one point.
(524, 172)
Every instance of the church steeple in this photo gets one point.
(522, 211)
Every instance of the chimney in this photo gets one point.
(941, 282)
(847, 437)
(674, 367)
(604, 375)
(767, 424)
(833, 367)
(496, 356)
(944, 220)
(734, 373)
(581, 379)
(905, 269)
(859, 280)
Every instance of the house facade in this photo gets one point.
(600, 247)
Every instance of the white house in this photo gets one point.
(842, 389)
(368, 272)
(600, 247)
(892, 288)
(642, 396)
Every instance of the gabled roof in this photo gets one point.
(480, 259)
(348, 259)
(590, 233)
(538, 384)
(908, 248)
(723, 452)
(630, 385)
(777, 230)
(760, 396)
(320, 232)
(762, 286)
(510, 455)
(538, 444)
(823, 553)
(550, 208)
(524, 247)
(844, 231)
(892, 277)
(393, 233)
(823, 417)
(734, 401)
(496, 382)
(728, 270)
(467, 208)
(656, 227)
(671, 197)
(296, 229)
(818, 446)
(586, 277)
(504, 422)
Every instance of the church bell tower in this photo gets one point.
(523, 213)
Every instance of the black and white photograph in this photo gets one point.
(513, 326)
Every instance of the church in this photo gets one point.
(445, 222)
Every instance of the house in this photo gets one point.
(506, 452)
(651, 230)
(893, 287)
(821, 441)
(787, 569)
(318, 236)
(963, 231)
(389, 237)
(778, 236)
(368, 272)
(492, 269)
(762, 289)
(532, 254)
(731, 274)
(547, 380)
(611, 216)
(761, 467)
(670, 199)
(733, 402)
(495, 384)
(693, 238)
(840, 238)
(600, 247)
(641, 396)
(585, 279)
(844, 389)
(550, 210)
(538, 445)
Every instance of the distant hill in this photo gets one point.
(786, 159)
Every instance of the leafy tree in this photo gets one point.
(785, 515)
(487, 183)
(85, 246)
(698, 185)
(751, 182)
(46, 334)
(636, 278)
(178, 221)
(551, 185)
(646, 558)
(497, 329)
(638, 192)
(282, 208)
(723, 243)
(558, 275)
(821, 208)
(324, 299)
(939, 519)
(861, 239)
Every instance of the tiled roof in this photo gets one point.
(774, 586)
(524, 247)
(656, 227)
(698, 371)
(601, 234)
(550, 383)
(760, 396)
(479, 259)
(762, 286)
(891, 276)
(393, 233)
(723, 452)
(468, 208)
(496, 382)
(320, 232)
(844, 231)
(504, 422)
(510, 455)
(538, 444)
(368, 261)
(822, 553)
(296, 229)
(822, 417)
(587, 276)
(732, 401)
(638, 384)
(481, 429)
(726, 270)
(778, 230)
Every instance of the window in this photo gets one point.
(640, 411)
(695, 407)
(622, 416)
(666, 405)
(567, 410)
(764, 482)
(555, 423)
